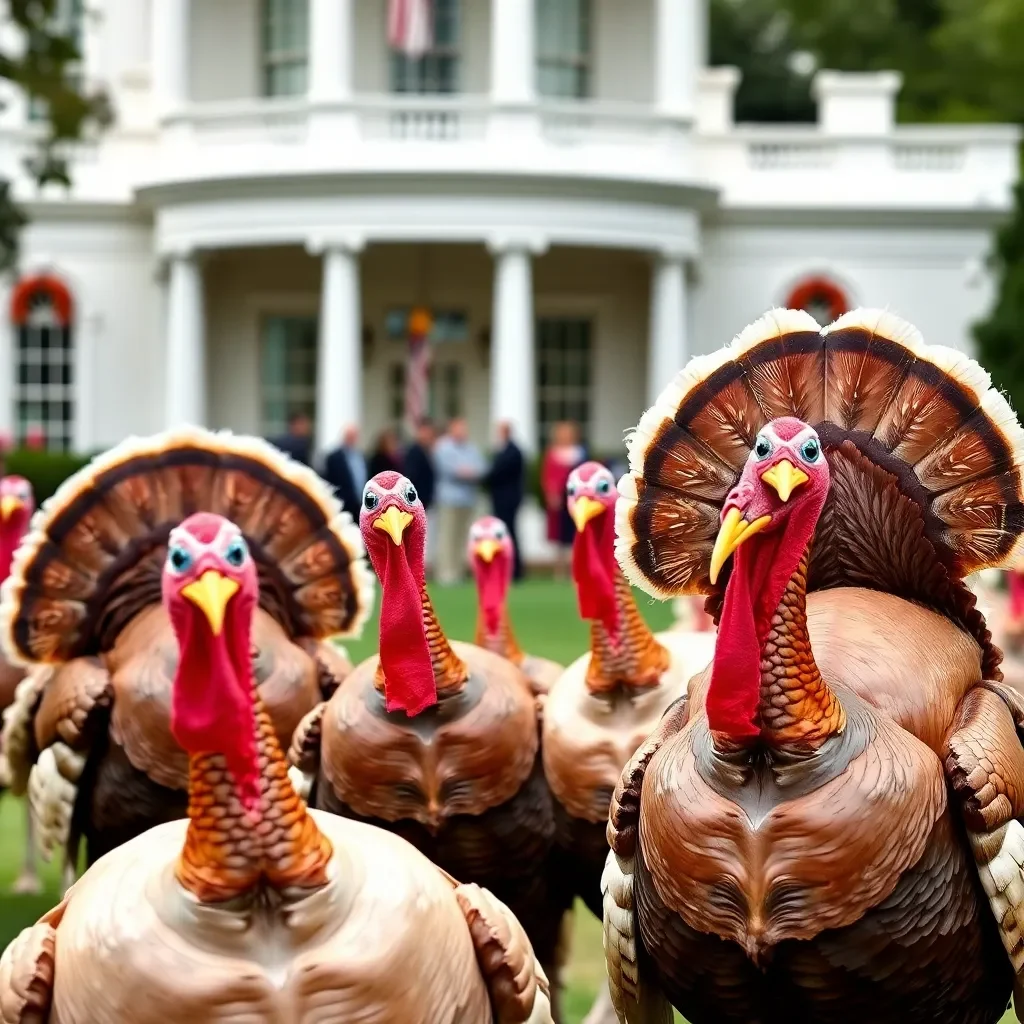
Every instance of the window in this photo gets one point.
(438, 69)
(287, 371)
(564, 370)
(67, 20)
(44, 367)
(447, 325)
(444, 400)
(285, 47)
(563, 48)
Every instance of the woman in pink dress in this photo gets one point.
(563, 455)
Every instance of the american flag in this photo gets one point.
(417, 369)
(410, 27)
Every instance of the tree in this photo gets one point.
(43, 67)
(1000, 336)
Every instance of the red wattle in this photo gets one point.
(404, 654)
(492, 586)
(212, 700)
(11, 533)
(593, 571)
(762, 569)
(1016, 595)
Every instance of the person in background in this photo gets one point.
(460, 467)
(506, 483)
(386, 456)
(298, 441)
(419, 461)
(345, 470)
(563, 455)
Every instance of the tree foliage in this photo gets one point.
(44, 66)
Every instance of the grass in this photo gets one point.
(546, 623)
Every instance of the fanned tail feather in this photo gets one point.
(94, 551)
(926, 418)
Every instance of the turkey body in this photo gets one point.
(461, 781)
(835, 889)
(136, 775)
(333, 956)
(586, 740)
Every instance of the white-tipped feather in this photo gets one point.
(224, 442)
(780, 322)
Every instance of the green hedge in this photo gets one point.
(45, 471)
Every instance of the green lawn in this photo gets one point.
(546, 622)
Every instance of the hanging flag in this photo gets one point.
(410, 27)
(417, 370)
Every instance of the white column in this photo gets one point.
(512, 51)
(185, 375)
(513, 364)
(339, 377)
(678, 46)
(668, 348)
(513, 74)
(168, 54)
(330, 50)
(90, 328)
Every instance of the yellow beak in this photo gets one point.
(487, 549)
(735, 530)
(785, 478)
(393, 521)
(584, 510)
(211, 592)
(9, 504)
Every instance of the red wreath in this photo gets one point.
(819, 291)
(53, 288)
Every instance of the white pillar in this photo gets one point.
(514, 122)
(668, 349)
(168, 54)
(678, 51)
(512, 51)
(339, 376)
(330, 50)
(513, 363)
(185, 375)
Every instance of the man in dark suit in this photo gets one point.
(506, 484)
(419, 462)
(298, 442)
(338, 471)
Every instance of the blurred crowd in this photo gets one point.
(451, 473)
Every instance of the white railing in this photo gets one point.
(587, 123)
(416, 118)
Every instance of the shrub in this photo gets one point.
(44, 470)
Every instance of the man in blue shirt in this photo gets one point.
(459, 467)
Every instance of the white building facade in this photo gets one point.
(560, 182)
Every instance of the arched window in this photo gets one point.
(822, 298)
(42, 312)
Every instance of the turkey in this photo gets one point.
(826, 830)
(83, 601)
(257, 908)
(17, 503)
(609, 699)
(492, 556)
(437, 741)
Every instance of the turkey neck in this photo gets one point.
(797, 708)
(502, 642)
(637, 660)
(229, 853)
(450, 672)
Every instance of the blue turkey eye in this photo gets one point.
(603, 487)
(236, 552)
(370, 500)
(762, 448)
(570, 488)
(811, 450)
(178, 558)
(410, 494)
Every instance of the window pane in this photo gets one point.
(564, 359)
(437, 71)
(563, 48)
(287, 371)
(44, 377)
(285, 41)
